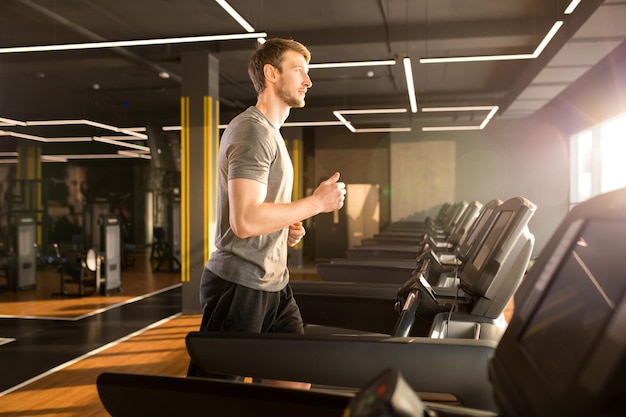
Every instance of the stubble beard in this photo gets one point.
(289, 99)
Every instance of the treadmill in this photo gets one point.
(410, 250)
(347, 359)
(483, 286)
(564, 353)
(398, 271)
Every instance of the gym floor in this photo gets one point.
(52, 348)
(42, 333)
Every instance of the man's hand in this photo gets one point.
(331, 194)
(296, 233)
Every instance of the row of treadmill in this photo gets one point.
(417, 313)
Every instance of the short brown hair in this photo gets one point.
(271, 52)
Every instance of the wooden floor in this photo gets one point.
(71, 391)
(70, 388)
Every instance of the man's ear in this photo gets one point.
(270, 72)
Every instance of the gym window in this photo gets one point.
(597, 160)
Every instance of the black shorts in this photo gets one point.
(229, 307)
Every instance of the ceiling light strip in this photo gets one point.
(475, 58)
(492, 111)
(139, 42)
(116, 129)
(457, 108)
(408, 72)
(489, 117)
(309, 124)
(11, 122)
(383, 130)
(52, 158)
(481, 58)
(233, 13)
(70, 139)
(93, 156)
(570, 8)
(448, 128)
(23, 136)
(352, 64)
(345, 121)
(130, 132)
(125, 137)
(120, 143)
(371, 111)
(555, 28)
(132, 154)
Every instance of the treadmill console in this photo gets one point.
(389, 395)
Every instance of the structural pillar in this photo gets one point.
(28, 190)
(293, 140)
(198, 170)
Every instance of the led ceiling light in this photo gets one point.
(339, 114)
(130, 132)
(139, 42)
(308, 124)
(93, 156)
(52, 158)
(408, 72)
(120, 143)
(557, 25)
(10, 122)
(235, 15)
(570, 8)
(132, 154)
(492, 111)
(351, 64)
(23, 136)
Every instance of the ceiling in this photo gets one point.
(121, 86)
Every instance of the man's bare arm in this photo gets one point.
(250, 215)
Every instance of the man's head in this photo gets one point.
(272, 52)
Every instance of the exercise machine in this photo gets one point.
(22, 269)
(564, 352)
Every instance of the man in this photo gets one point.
(244, 287)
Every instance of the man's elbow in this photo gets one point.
(241, 229)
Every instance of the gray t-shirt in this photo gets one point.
(251, 147)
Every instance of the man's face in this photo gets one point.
(294, 80)
(76, 182)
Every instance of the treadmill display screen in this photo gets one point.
(492, 239)
(580, 299)
(475, 230)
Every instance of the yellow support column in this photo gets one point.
(28, 176)
(199, 146)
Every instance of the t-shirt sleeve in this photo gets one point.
(250, 153)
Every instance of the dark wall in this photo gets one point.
(361, 158)
(75, 189)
